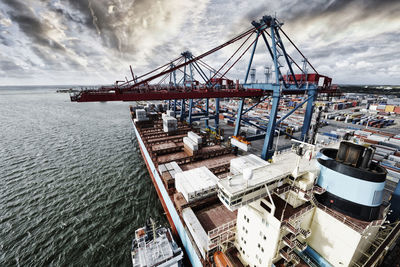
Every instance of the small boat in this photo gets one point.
(154, 246)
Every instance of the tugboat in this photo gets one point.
(155, 247)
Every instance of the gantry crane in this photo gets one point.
(217, 86)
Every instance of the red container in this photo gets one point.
(370, 130)
(372, 142)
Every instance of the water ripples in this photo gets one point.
(73, 187)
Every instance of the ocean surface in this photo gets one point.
(73, 185)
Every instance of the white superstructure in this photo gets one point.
(285, 224)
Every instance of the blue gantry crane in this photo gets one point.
(217, 86)
(290, 83)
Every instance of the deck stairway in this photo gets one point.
(289, 255)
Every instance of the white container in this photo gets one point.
(196, 230)
(252, 130)
(378, 138)
(394, 141)
(381, 107)
(394, 158)
(170, 124)
(240, 145)
(196, 183)
(169, 166)
(162, 168)
(141, 115)
(170, 113)
(189, 142)
(195, 137)
(184, 187)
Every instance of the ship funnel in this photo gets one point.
(354, 155)
(354, 183)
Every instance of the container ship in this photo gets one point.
(306, 207)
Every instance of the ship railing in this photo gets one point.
(281, 190)
(288, 255)
(305, 233)
(341, 218)
(300, 212)
(285, 255)
(291, 244)
(221, 234)
(376, 223)
(250, 200)
(386, 209)
(222, 228)
(290, 228)
(318, 190)
(301, 246)
(295, 258)
(221, 239)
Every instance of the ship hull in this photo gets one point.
(169, 208)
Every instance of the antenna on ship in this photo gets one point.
(153, 227)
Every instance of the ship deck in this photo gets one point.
(214, 216)
(166, 148)
(285, 208)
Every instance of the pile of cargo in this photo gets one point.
(385, 108)
(345, 105)
(141, 115)
(191, 143)
(170, 124)
(387, 149)
(196, 183)
(358, 118)
(168, 172)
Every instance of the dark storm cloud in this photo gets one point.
(97, 19)
(109, 24)
(54, 61)
(29, 24)
(65, 13)
(300, 9)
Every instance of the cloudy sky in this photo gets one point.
(95, 41)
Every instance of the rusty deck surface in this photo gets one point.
(209, 163)
(211, 149)
(171, 157)
(281, 207)
(163, 146)
(214, 216)
(165, 138)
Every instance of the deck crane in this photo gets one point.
(217, 86)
